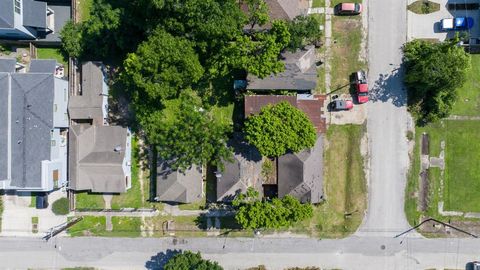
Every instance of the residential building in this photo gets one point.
(300, 74)
(99, 158)
(33, 127)
(99, 153)
(178, 186)
(33, 19)
(282, 10)
(311, 105)
(244, 171)
(301, 174)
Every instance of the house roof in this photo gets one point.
(94, 164)
(88, 105)
(311, 105)
(43, 66)
(26, 123)
(7, 65)
(300, 73)
(301, 175)
(283, 9)
(34, 13)
(242, 172)
(6, 14)
(177, 186)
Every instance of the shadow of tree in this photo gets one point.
(158, 261)
(390, 87)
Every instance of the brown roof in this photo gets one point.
(284, 9)
(311, 105)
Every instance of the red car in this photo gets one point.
(348, 9)
(361, 86)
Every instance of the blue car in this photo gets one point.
(457, 24)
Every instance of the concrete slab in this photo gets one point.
(427, 26)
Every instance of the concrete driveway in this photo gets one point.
(17, 215)
(427, 26)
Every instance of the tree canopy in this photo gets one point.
(304, 30)
(277, 213)
(279, 129)
(434, 72)
(188, 260)
(186, 134)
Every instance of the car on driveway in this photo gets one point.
(456, 24)
(361, 86)
(341, 105)
(348, 9)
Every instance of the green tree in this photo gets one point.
(160, 68)
(186, 134)
(274, 214)
(434, 72)
(60, 207)
(188, 260)
(257, 11)
(71, 37)
(279, 129)
(304, 30)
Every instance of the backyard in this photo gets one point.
(468, 102)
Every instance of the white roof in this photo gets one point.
(447, 23)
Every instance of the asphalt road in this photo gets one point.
(387, 119)
(148, 253)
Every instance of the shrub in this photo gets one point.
(60, 207)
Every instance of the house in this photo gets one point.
(99, 158)
(297, 174)
(91, 104)
(33, 127)
(33, 19)
(301, 174)
(244, 171)
(300, 74)
(282, 10)
(99, 153)
(311, 105)
(179, 186)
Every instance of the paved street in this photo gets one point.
(140, 253)
(387, 119)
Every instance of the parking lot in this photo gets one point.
(427, 26)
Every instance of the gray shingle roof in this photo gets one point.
(6, 14)
(42, 66)
(301, 174)
(7, 65)
(93, 163)
(89, 104)
(243, 172)
(32, 121)
(35, 13)
(176, 186)
(300, 73)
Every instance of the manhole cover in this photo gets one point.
(382, 247)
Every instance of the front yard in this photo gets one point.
(469, 95)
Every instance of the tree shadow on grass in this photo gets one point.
(158, 261)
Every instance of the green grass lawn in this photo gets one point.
(468, 102)
(346, 45)
(344, 184)
(88, 226)
(126, 227)
(318, 3)
(422, 7)
(461, 176)
(52, 53)
(462, 171)
(85, 200)
(84, 8)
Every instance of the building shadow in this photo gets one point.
(158, 261)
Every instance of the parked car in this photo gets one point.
(348, 9)
(473, 266)
(361, 86)
(341, 105)
(456, 24)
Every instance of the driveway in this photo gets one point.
(427, 26)
(387, 120)
(17, 215)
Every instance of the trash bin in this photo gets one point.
(42, 201)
